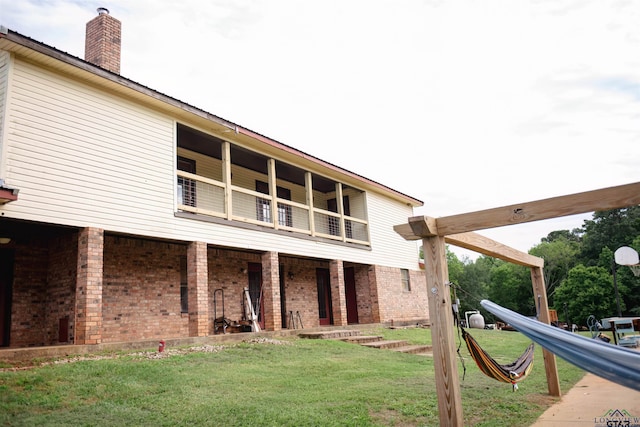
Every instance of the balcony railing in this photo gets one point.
(205, 196)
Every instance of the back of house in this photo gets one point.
(130, 215)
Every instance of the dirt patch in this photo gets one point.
(139, 354)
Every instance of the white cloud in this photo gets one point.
(466, 105)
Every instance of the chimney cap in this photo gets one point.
(103, 11)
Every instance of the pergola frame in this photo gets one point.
(458, 230)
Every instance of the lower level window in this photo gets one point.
(406, 284)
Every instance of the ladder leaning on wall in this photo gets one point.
(250, 313)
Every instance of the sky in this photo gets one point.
(463, 104)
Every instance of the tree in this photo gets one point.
(574, 235)
(510, 286)
(586, 291)
(559, 254)
(612, 229)
(455, 266)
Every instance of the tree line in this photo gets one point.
(578, 272)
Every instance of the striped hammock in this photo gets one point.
(618, 364)
(512, 373)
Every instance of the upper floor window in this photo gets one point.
(186, 187)
(263, 206)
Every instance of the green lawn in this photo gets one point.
(292, 382)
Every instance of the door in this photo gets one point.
(255, 291)
(350, 295)
(6, 285)
(324, 296)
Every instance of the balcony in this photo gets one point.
(216, 178)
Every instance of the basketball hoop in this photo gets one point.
(625, 255)
(636, 269)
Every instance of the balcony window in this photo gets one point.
(263, 206)
(231, 182)
(186, 187)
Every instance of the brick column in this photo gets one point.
(198, 289)
(375, 295)
(338, 298)
(88, 322)
(271, 291)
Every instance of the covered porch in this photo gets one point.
(64, 286)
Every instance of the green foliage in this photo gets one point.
(612, 229)
(593, 245)
(456, 267)
(587, 291)
(559, 254)
(511, 287)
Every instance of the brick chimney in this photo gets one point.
(102, 43)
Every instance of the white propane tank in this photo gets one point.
(476, 320)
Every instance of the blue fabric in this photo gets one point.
(618, 364)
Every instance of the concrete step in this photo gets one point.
(362, 339)
(385, 344)
(326, 335)
(415, 349)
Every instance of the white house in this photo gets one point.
(130, 215)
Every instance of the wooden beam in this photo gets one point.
(406, 232)
(442, 334)
(540, 295)
(590, 201)
(417, 228)
(487, 246)
(423, 226)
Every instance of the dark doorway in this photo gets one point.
(6, 285)
(324, 296)
(255, 291)
(350, 295)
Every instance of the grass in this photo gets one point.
(303, 383)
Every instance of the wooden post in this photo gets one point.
(442, 333)
(540, 296)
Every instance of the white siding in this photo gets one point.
(82, 157)
(389, 248)
(4, 76)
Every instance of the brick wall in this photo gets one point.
(363, 294)
(29, 294)
(301, 292)
(61, 290)
(228, 271)
(396, 304)
(43, 291)
(141, 290)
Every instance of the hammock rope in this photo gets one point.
(512, 373)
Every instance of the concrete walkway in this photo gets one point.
(593, 402)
